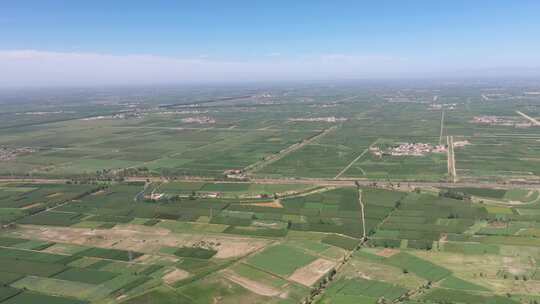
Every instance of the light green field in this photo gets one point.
(282, 260)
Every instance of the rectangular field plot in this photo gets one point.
(216, 286)
(418, 266)
(424, 218)
(85, 275)
(371, 263)
(94, 147)
(403, 120)
(282, 260)
(361, 291)
(453, 282)
(257, 275)
(28, 297)
(428, 167)
(112, 254)
(499, 158)
(440, 294)
(325, 157)
(341, 241)
(32, 256)
(18, 200)
(335, 211)
(52, 218)
(55, 287)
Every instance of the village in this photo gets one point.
(320, 119)
(8, 154)
(181, 112)
(45, 113)
(199, 120)
(414, 149)
(500, 121)
(126, 115)
(441, 106)
(408, 149)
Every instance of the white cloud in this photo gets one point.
(42, 68)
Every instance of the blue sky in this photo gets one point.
(210, 40)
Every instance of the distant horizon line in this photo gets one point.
(34, 68)
(432, 81)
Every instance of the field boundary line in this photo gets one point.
(89, 192)
(442, 127)
(363, 214)
(290, 149)
(206, 129)
(451, 159)
(355, 160)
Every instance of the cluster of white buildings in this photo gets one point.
(440, 106)
(182, 112)
(409, 149)
(500, 121)
(127, 115)
(199, 120)
(7, 154)
(461, 143)
(491, 120)
(46, 113)
(320, 119)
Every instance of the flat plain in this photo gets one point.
(332, 194)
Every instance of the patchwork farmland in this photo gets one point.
(334, 195)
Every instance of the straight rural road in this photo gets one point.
(532, 120)
(308, 181)
(442, 127)
(451, 160)
(355, 160)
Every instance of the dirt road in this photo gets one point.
(363, 214)
(532, 120)
(354, 160)
(451, 160)
(442, 128)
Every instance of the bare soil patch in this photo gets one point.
(444, 238)
(497, 224)
(55, 194)
(175, 276)
(31, 206)
(513, 266)
(155, 259)
(387, 252)
(121, 297)
(140, 238)
(272, 204)
(98, 192)
(255, 287)
(311, 273)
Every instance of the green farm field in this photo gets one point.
(313, 195)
